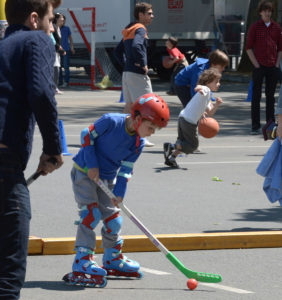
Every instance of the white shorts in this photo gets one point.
(135, 85)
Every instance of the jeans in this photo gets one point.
(65, 62)
(56, 76)
(15, 217)
(271, 75)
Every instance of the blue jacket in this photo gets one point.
(191, 74)
(131, 52)
(108, 146)
(27, 91)
(271, 168)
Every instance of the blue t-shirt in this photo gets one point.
(65, 32)
(191, 74)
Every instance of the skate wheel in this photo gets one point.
(117, 273)
(85, 280)
(104, 283)
(68, 279)
(83, 284)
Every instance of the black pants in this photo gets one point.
(175, 71)
(14, 225)
(183, 93)
(271, 75)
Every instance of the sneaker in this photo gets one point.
(148, 143)
(197, 151)
(255, 131)
(269, 130)
(58, 92)
(171, 162)
(168, 147)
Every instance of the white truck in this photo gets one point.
(199, 26)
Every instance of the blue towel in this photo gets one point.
(271, 168)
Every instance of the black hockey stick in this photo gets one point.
(35, 175)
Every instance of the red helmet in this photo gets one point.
(153, 108)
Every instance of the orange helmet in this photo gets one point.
(153, 108)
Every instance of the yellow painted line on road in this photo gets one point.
(174, 242)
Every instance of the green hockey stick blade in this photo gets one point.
(200, 276)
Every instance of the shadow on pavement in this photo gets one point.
(273, 214)
(60, 286)
(161, 169)
(243, 229)
(146, 150)
(51, 285)
(233, 115)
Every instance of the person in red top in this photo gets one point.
(177, 58)
(264, 48)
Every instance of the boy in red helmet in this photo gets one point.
(110, 147)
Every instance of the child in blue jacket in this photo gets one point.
(110, 147)
(186, 80)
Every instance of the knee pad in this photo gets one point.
(113, 224)
(90, 215)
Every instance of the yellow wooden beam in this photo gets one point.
(61, 246)
(35, 245)
(2, 10)
(177, 242)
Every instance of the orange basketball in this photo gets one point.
(208, 127)
(167, 62)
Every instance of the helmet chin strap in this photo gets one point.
(136, 127)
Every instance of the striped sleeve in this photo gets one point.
(125, 172)
(88, 136)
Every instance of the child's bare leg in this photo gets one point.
(177, 150)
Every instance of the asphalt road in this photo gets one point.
(166, 200)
